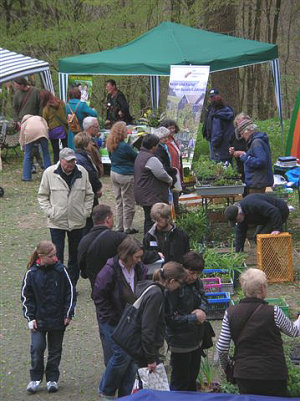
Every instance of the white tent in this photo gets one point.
(13, 65)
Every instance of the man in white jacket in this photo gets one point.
(66, 197)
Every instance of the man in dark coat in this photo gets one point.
(266, 213)
(117, 105)
(164, 239)
(99, 244)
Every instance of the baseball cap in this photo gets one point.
(231, 213)
(67, 154)
(213, 92)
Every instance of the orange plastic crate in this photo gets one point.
(274, 257)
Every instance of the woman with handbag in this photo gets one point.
(254, 326)
(55, 114)
(114, 288)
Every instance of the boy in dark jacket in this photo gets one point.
(48, 302)
(164, 239)
(185, 315)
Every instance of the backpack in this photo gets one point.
(73, 122)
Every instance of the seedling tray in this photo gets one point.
(226, 190)
(218, 302)
(281, 302)
(212, 284)
(228, 287)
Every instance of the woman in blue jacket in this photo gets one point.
(48, 304)
(122, 158)
(222, 130)
(81, 110)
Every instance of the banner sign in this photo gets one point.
(84, 83)
(187, 88)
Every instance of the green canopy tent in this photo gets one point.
(169, 44)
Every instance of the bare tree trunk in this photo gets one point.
(222, 20)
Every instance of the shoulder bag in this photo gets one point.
(127, 334)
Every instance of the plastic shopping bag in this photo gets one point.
(157, 380)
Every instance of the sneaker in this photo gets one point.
(33, 386)
(52, 387)
(33, 169)
(104, 397)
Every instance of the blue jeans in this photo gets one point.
(121, 369)
(27, 157)
(37, 349)
(74, 237)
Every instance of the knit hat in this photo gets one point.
(213, 92)
(162, 132)
(231, 213)
(242, 125)
(67, 154)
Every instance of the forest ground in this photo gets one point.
(22, 227)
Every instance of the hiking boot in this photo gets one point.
(131, 231)
(52, 387)
(33, 386)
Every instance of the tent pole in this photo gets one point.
(276, 77)
(154, 88)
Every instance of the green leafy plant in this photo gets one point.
(229, 388)
(195, 223)
(293, 384)
(207, 374)
(231, 261)
(217, 174)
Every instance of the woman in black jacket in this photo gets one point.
(81, 142)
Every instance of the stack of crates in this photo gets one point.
(218, 302)
(217, 293)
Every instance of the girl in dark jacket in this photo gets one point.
(185, 314)
(151, 310)
(113, 289)
(48, 305)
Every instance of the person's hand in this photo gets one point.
(151, 366)
(99, 193)
(238, 153)
(200, 314)
(275, 232)
(32, 326)
(231, 151)
(121, 114)
(67, 321)
(161, 255)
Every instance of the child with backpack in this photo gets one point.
(48, 302)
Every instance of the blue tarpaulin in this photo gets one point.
(151, 395)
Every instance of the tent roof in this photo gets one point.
(14, 65)
(171, 44)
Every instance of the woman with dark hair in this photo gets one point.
(151, 181)
(55, 114)
(122, 158)
(115, 287)
(81, 109)
(222, 130)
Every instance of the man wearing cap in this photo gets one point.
(207, 123)
(66, 197)
(257, 159)
(265, 212)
